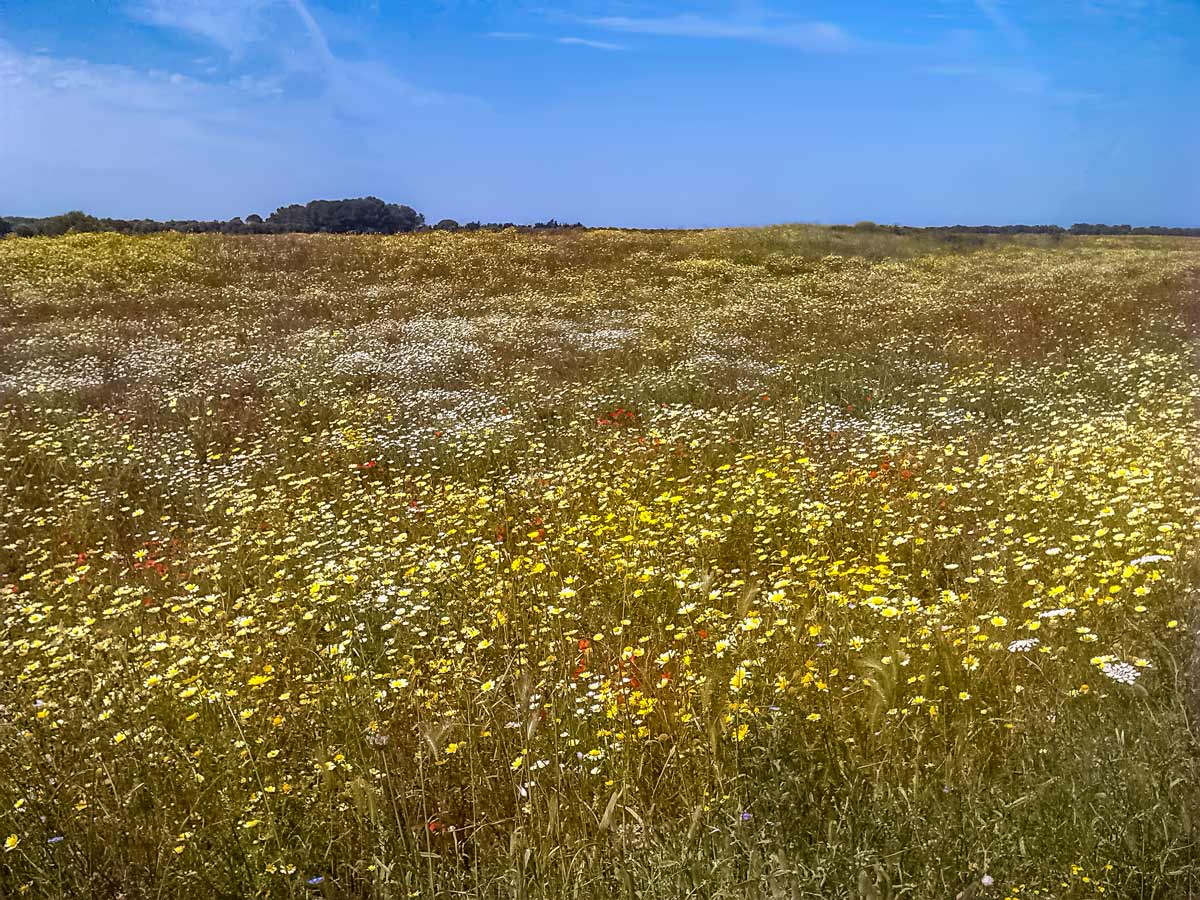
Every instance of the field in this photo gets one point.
(778, 563)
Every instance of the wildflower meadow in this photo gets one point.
(774, 563)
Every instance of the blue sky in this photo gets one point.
(611, 112)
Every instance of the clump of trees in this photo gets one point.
(363, 215)
(358, 215)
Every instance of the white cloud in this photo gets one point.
(113, 138)
(994, 13)
(315, 34)
(1128, 9)
(114, 88)
(1018, 79)
(230, 24)
(274, 28)
(815, 36)
(584, 42)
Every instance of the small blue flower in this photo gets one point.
(316, 879)
(54, 840)
(746, 817)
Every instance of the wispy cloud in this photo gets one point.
(1018, 79)
(276, 29)
(316, 36)
(805, 35)
(569, 40)
(105, 100)
(1128, 9)
(231, 24)
(196, 142)
(272, 81)
(270, 27)
(584, 42)
(1018, 70)
(995, 13)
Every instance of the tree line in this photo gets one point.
(358, 215)
(370, 215)
(1077, 228)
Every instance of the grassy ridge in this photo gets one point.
(781, 562)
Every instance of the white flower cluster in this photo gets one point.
(1121, 672)
(1023, 645)
(1055, 613)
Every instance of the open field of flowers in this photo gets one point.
(786, 563)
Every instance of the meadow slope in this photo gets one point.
(788, 562)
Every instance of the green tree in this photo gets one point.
(74, 220)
